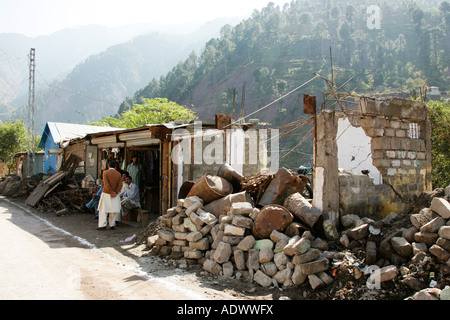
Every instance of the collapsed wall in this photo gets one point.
(375, 161)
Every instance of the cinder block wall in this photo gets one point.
(400, 141)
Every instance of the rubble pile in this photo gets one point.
(289, 244)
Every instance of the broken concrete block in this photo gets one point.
(265, 255)
(194, 236)
(434, 225)
(280, 259)
(241, 221)
(193, 254)
(212, 267)
(276, 236)
(269, 268)
(359, 232)
(247, 243)
(401, 246)
(239, 259)
(315, 266)
(349, 220)
(166, 220)
(202, 244)
(418, 220)
(441, 254)
(194, 207)
(428, 238)
(444, 232)
(189, 201)
(233, 230)
(443, 243)
(298, 277)
(315, 282)
(325, 277)
(222, 253)
(165, 235)
(253, 259)
(195, 219)
(283, 275)
(371, 252)
(297, 245)
(228, 269)
(441, 207)
(189, 225)
(419, 247)
(180, 235)
(171, 212)
(308, 256)
(244, 208)
(330, 230)
(384, 274)
(262, 279)
(206, 217)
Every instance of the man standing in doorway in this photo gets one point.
(136, 171)
(109, 204)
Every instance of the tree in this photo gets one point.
(151, 111)
(13, 139)
(439, 116)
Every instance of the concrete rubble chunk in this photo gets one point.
(269, 268)
(212, 267)
(308, 256)
(434, 225)
(439, 253)
(283, 275)
(247, 243)
(241, 221)
(315, 266)
(297, 245)
(263, 244)
(194, 236)
(193, 254)
(315, 282)
(359, 232)
(166, 235)
(298, 277)
(276, 236)
(330, 230)
(222, 253)
(189, 201)
(253, 259)
(244, 208)
(429, 238)
(239, 259)
(444, 232)
(401, 246)
(262, 279)
(233, 230)
(384, 274)
(227, 269)
(441, 207)
(265, 255)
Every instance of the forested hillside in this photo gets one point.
(278, 49)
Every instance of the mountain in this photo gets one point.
(104, 75)
(398, 47)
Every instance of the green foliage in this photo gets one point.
(439, 116)
(13, 139)
(151, 111)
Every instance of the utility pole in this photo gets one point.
(30, 124)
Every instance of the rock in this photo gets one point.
(418, 220)
(382, 275)
(276, 236)
(247, 243)
(445, 293)
(280, 259)
(263, 244)
(297, 245)
(194, 236)
(419, 247)
(330, 230)
(222, 253)
(165, 235)
(241, 221)
(443, 243)
(308, 256)
(269, 268)
(444, 232)
(189, 201)
(202, 244)
(441, 254)
(188, 224)
(413, 283)
(253, 259)
(401, 246)
(283, 275)
(298, 277)
(228, 269)
(233, 230)
(344, 240)
(349, 220)
(193, 254)
(427, 237)
(212, 267)
(408, 234)
(320, 244)
(262, 279)
(315, 282)
(244, 208)
(434, 225)
(239, 259)
(427, 294)
(265, 255)
(441, 207)
(359, 233)
(315, 266)
(325, 277)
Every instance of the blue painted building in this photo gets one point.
(57, 136)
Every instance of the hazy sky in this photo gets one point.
(37, 17)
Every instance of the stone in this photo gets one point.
(194, 207)
(320, 244)
(253, 259)
(232, 240)
(166, 235)
(297, 245)
(194, 236)
(269, 268)
(408, 234)
(427, 294)
(206, 217)
(441, 207)
(263, 243)
(233, 230)
(325, 277)
(217, 239)
(283, 275)
(382, 275)
(298, 277)
(202, 244)
(241, 221)
(212, 267)
(349, 220)
(444, 232)
(189, 201)
(441, 254)
(262, 279)
(426, 237)
(247, 243)
(413, 283)
(280, 259)
(359, 232)
(401, 246)
(443, 243)
(434, 225)
(308, 256)
(445, 294)
(265, 255)
(419, 247)
(315, 282)
(222, 253)
(189, 225)
(418, 220)
(239, 259)
(344, 240)
(276, 236)
(228, 269)
(244, 208)
(193, 254)
(177, 220)
(315, 266)
(195, 219)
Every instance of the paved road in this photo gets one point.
(39, 261)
